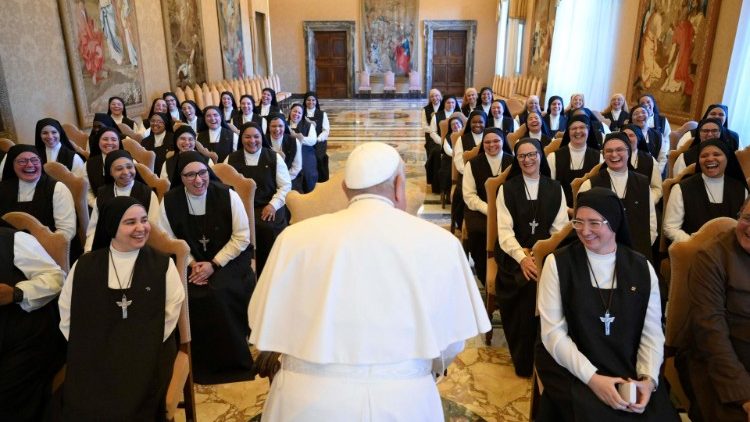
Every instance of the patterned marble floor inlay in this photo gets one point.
(481, 384)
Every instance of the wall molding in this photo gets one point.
(309, 28)
(430, 26)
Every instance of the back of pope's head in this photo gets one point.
(376, 168)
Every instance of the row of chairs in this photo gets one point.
(518, 87)
(389, 82)
(210, 93)
(59, 247)
(675, 268)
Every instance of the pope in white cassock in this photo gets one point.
(362, 317)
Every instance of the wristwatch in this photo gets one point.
(17, 295)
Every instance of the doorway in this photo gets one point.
(330, 64)
(449, 62)
(335, 52)
(449, 55)
(261, 54)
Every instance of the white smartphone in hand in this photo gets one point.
(627, 391)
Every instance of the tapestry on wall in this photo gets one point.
(184, 36)
(7, 129)
(102, 42)
(543, 25)
(390, 29)
(230, 35)
(672, 55)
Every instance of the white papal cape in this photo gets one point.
(360, 302)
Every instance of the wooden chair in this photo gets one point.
(139, 153)
(159, 185)
(54, 243)
(78, 138)
(743, 156)
(682, 256)
(56, 246)
(206, 153)
(672, 158)
(553, 146)
(244, 187)
(181, 384)
(6, 144)
(468, 155)
(130, 133)
(327, 197)
(675, 135)
(454, 170)
(515, 106)
(516, 135)
(666, 189)
(576, 184)
(491, 186)
(78, 187)
(541, 250)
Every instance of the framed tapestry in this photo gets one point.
(389, 36)
(7, 129)
(183, 31)
(542, 27)
(102, 43)
(672, 55)
(230, 35)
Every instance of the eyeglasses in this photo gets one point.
(710, 130)
(593, 224)
(531, 156)
(615, 151)
(193, 174)
(744, 218)
(24, 161)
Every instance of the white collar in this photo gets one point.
(370, 196)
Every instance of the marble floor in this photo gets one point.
(481, 384)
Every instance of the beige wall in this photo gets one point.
(287, 17)
(35, 65)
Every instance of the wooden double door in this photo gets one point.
(331, 77)
(449, 62)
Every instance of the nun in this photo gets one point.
(51, 138)
(33, 349)
(315, 115)
(576, 155)
(307, 136)
(210, 217)
(707, 129)
(643, 162)
(184, 140)
(530, 207)
(101, 142)
(720, 112)
(26, 187)
(500, 117)
(121, 179)
(286, 145)
(717, 189)
(117, 111)
(193, 116)
(600, 315)
(554, 119)
(266, 167)
(489, 162)
(617, 174)
(218, 137)
(161, 139)
(120, 330)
